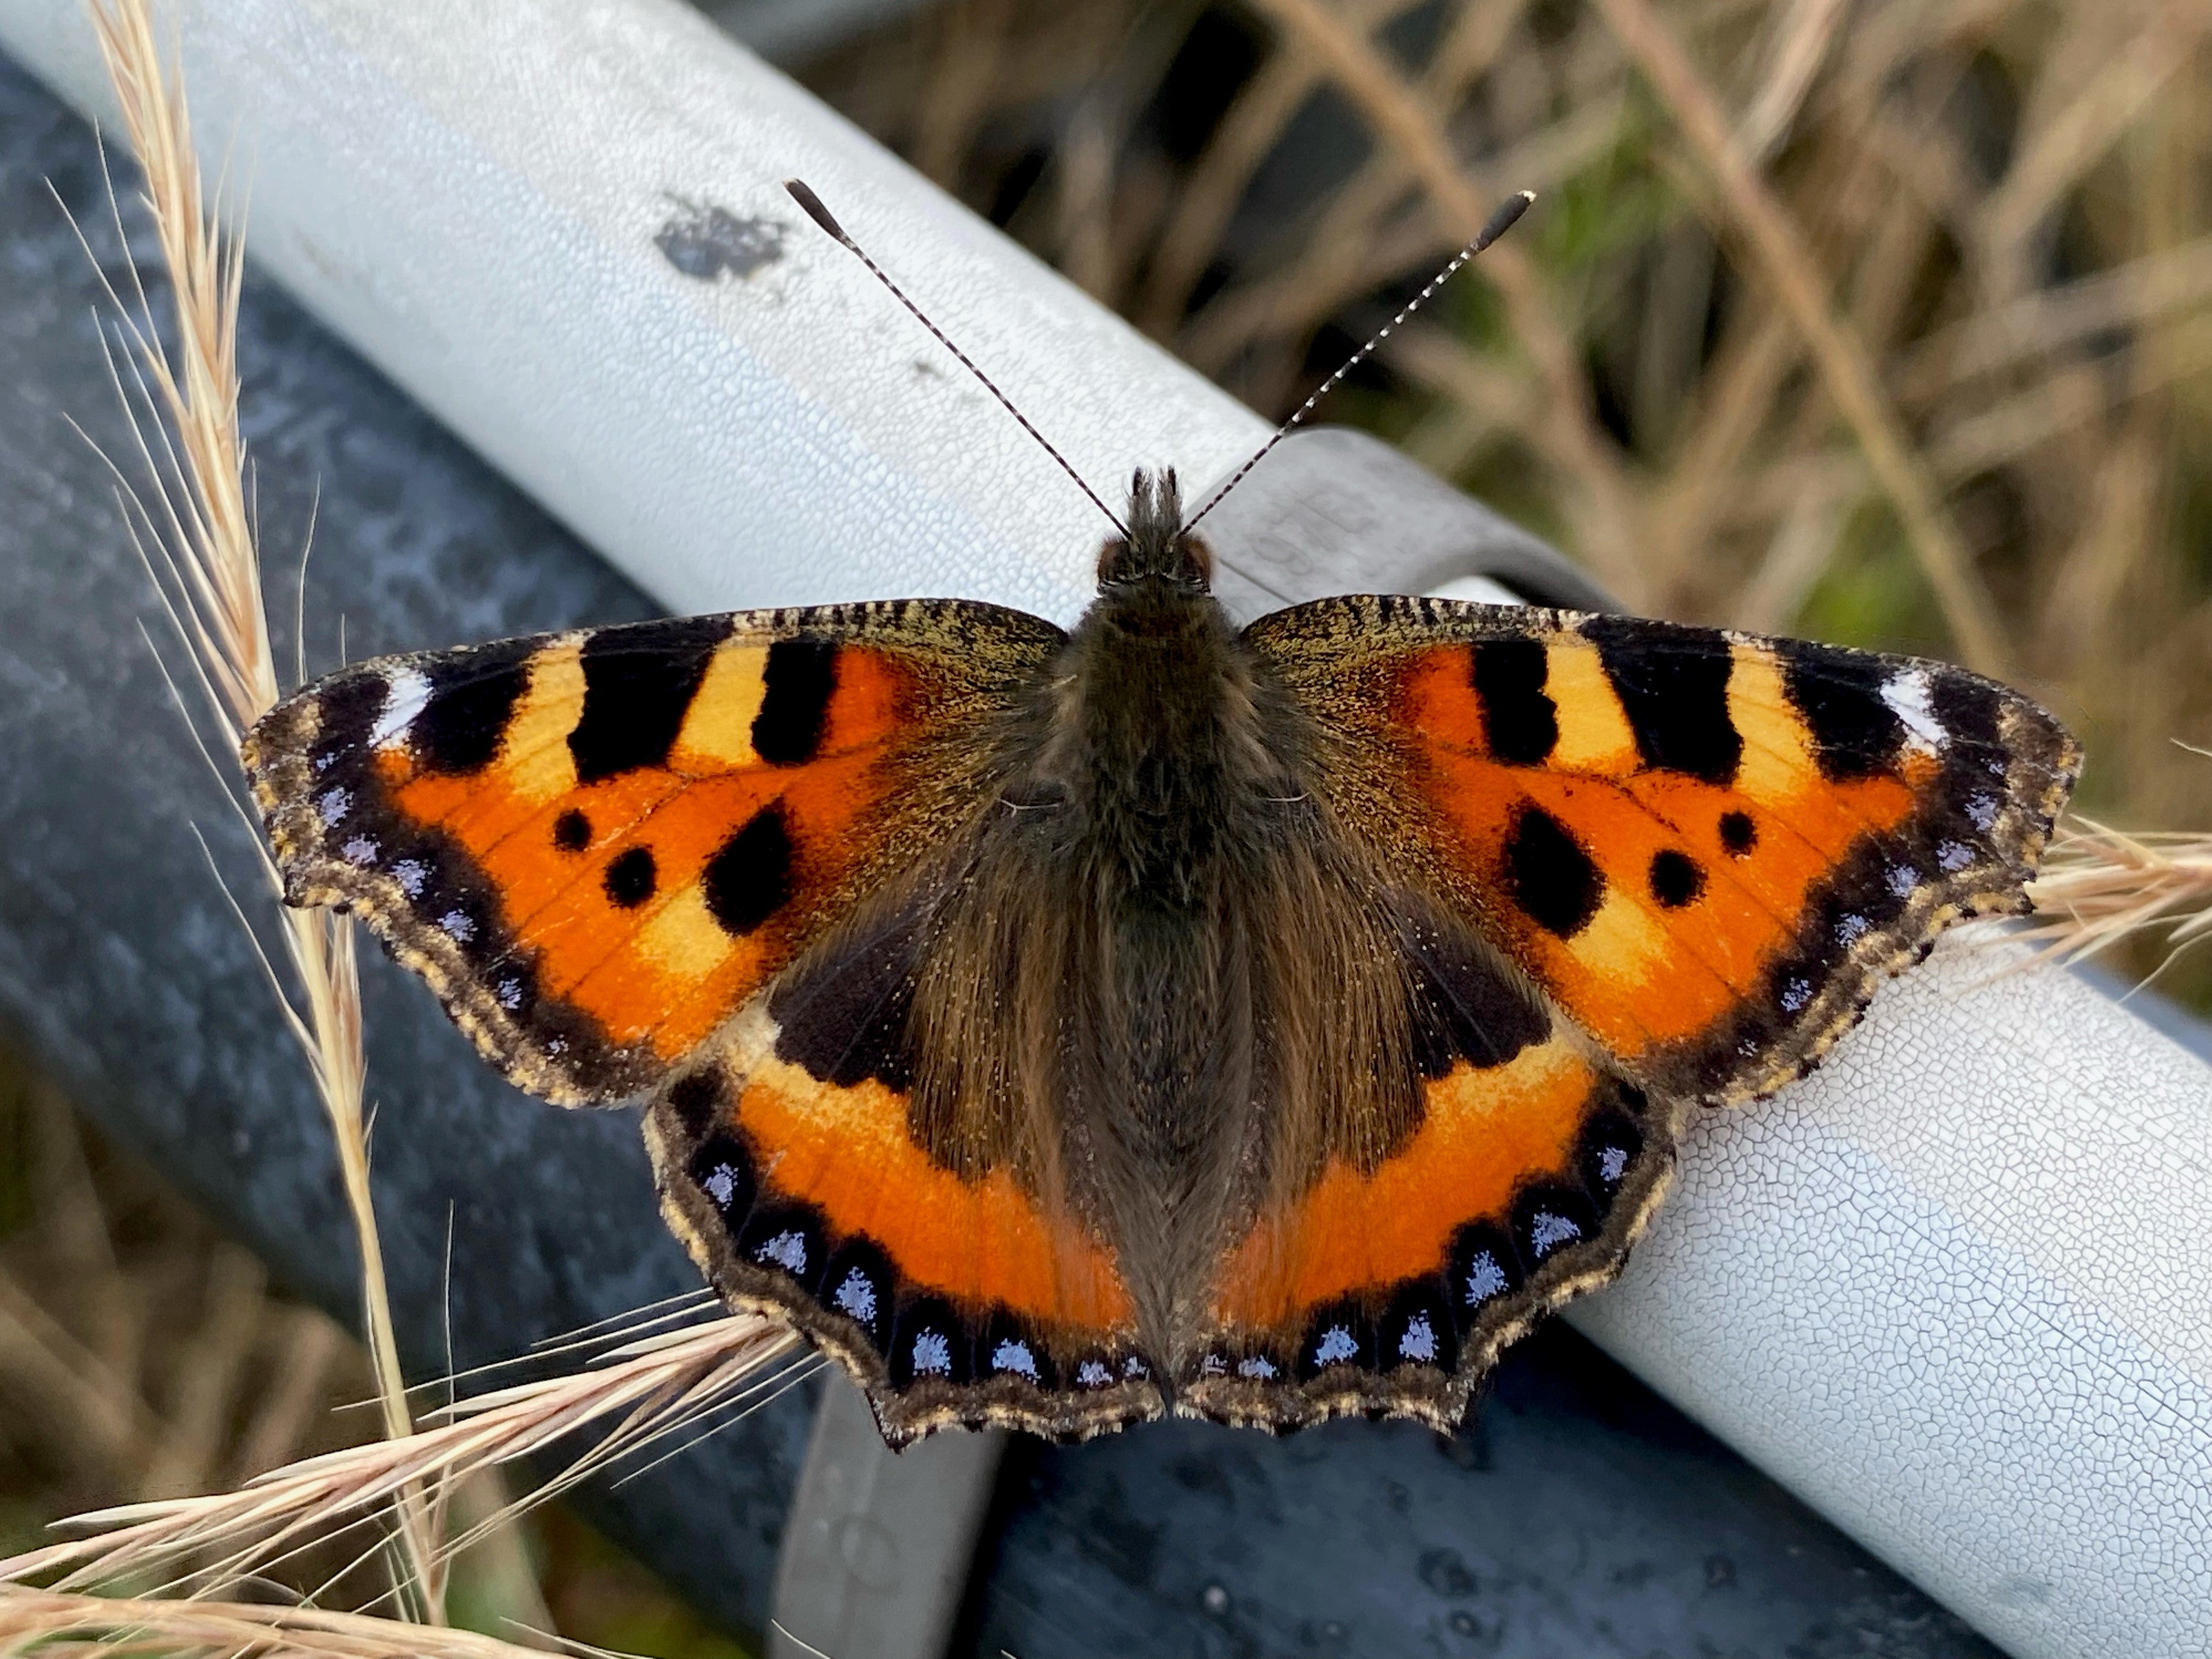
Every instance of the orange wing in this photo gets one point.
(623, 859)
(793, 1164)
(1707, 848)
(597, 846)
(1702, 850)
(1393, 1283)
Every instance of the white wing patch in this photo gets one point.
(405, 695)
(1907, 693)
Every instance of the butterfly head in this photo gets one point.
(1157, 547)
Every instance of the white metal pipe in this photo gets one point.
(471, 194)
(1956, 1290)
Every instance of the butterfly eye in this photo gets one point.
(1553, 1218)
(1004, 1348)
(788, 1238)
(929, 1342)
(722, 1172)
(1418, 1330)
(855, 1295)
(859, 1283)
(1484, 1279)
(1418, 1340)
(786, 1250)
(1548, 1229)
(1485, 1268)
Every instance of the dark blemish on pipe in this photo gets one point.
(705, 242)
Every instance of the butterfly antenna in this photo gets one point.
(807, 199)
(1499, 223)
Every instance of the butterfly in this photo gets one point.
(1062, 1029)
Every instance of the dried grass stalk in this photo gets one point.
(2101, 886)
(198, 541)
(652, 1387)
(55, 1623)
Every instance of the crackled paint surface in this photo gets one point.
(1980, 1238)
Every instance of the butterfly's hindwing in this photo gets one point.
(1391, 1283)
(953, 1295)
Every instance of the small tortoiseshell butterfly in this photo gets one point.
(1061, 1029)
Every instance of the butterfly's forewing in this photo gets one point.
(1706, 847)
(601, 848)
(1702, 850)
(597, 846)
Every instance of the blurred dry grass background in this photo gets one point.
(143, 1356)
(1882, 321)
